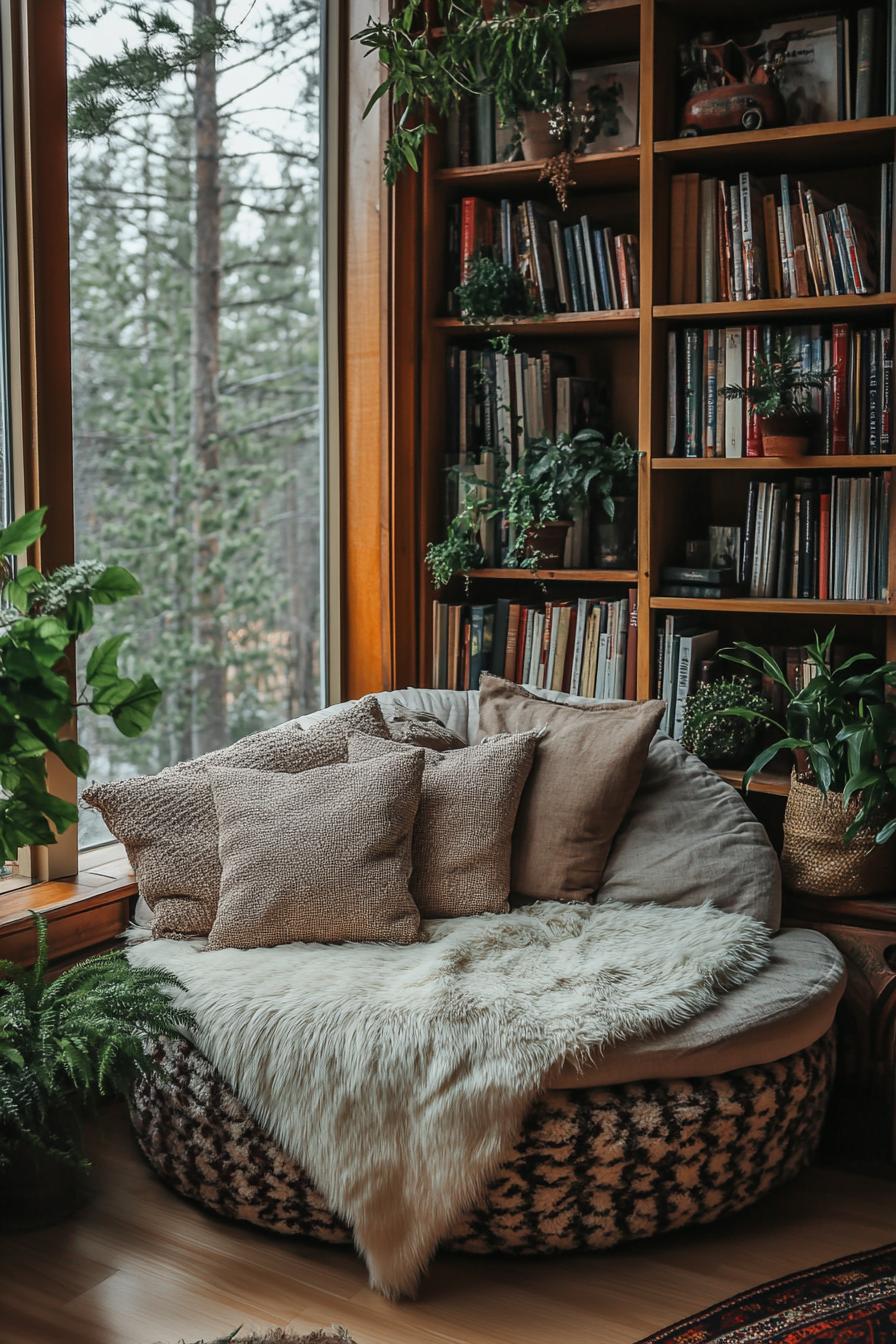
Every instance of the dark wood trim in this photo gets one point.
(83, 913)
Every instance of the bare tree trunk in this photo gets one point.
(210, 677)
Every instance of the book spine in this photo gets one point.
(693, 443)
(748, 541)
(864, 61)
(631, 647)
(787, 221)
(603, 288)
(624, 291)
(709, 291)
(673, 398)
(839, 388)
(753, 423)
(710, 374)
(560, 266)
(886, 384)
(588, 254)
(737, 245)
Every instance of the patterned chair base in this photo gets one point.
(591, 1167)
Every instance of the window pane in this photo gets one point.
(196, 331)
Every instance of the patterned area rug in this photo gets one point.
(335, 1335)
(848, 1301)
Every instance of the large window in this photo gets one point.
(194, 220)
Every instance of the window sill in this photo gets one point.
(84, 912)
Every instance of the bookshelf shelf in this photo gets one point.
(782, 605)
(802, 309)
(590, 171)
(824, 143)
(625, 576)
(825, 462)
(618, 322)
(627, 351)
(767, 781)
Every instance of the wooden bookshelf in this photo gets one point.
(677, 496)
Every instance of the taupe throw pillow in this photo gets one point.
(585, 774)
(465, 822)
(167, 821)
(321, 857)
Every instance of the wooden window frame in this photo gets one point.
(370, 582)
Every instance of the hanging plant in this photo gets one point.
(517, 56)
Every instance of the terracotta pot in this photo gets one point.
(538, 143)
(550, 541)
(816, 857)
(785, 435)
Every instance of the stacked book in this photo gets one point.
(575, 268)
(587, 647)
(853, 410)
(680, 648)
(821, 536)
(760, 239)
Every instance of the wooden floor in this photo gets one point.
(141, 1265)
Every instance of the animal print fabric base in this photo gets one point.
(591, 1168)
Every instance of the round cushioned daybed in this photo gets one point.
(679, 1129)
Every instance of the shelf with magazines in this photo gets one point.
(828, 554)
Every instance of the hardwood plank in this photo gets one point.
(784, 605)
(620, 321)
(556, 575)
(140, 1265)
(824, 143)
(767, 781)
(814, 462)
(618, 168)
(850, 305)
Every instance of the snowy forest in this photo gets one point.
(194, 219)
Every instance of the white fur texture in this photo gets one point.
(399, 1076)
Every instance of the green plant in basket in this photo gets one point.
(492, 290)
(711, 733)
(841, 723)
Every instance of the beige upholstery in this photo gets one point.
(788, 1006)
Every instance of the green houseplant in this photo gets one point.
(780, 394)
(516, 54)
(711, 733)
(537, 499)
(64, 1045)
(41, 620)
(840, 822)
(492, 290)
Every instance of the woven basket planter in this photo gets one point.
(816, 858)
(590, 1168)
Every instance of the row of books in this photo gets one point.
(750, 239)
(680, 647)
(817, 537)
(576, 268)
(587, 647)
(474, 133)
(853, 409)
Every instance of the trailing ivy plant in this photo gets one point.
(66, 1043)
(842, 722)
(41, 620)
(517, 55)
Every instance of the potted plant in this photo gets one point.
(41, 620)
(711, 733)
(492, 290)
(516, 55)
(780, 394)
(537, 500)
(65, 1044)
(840, 821)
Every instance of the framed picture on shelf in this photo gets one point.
(608, 94)
(811, 79)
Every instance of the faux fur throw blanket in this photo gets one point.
(398, 1077)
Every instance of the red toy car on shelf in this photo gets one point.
(733, 107)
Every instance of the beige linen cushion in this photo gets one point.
(586, 772)
(167, 821)
(321, 857)
(464, 826)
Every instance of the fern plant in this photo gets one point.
(67, 1043)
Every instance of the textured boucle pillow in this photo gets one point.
(167, 821)
(321, 857)
(584, 778)
(464, 825)
(418, 728)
